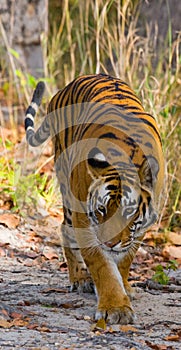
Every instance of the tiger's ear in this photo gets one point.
(96, 162)
(148, 172)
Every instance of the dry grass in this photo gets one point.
(103, 36)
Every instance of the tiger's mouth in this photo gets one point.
(117, 246)
(122, 242)
(116, 249)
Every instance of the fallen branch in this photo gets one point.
(165, 322)
(149, 284)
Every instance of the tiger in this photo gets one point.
(110, 168)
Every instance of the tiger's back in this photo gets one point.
(109, 164)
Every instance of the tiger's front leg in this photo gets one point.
(124, 265)
(113, 302)
(124, 268)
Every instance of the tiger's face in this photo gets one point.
(120, 209)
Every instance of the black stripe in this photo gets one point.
(58, 98)
(28, 122)
(109, 135)
(84, 89)
(144, 209)
(130, 117)
(67, 220)
(95, 163)
(111, 177)
(72, 92)
(106, 88)
(61, 98)
(152, 126)
(129, 141)
(148, 144)
(66, 129)
(126, 188)
(122, 95)
(89, 89)
(31, 110)
(38, 93)
(111, 187)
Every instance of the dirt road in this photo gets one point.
(38, 312)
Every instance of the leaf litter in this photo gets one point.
(35, 293)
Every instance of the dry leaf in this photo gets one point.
(174, 337)
(72, 305)
(16, 315)
(127, 328)
(55, 290)
(19, 323)
(4, 312)
(114, 328)
(33, 326)
(99, 325)
(15, 322)
(10, 220)
(4, 323)
(174, 238)
(156, 346)
(28, 262)
(50, 253)
(32, 237)
(173, 251)
(44, 329)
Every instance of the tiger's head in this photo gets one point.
(120, 205)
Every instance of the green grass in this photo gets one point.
(161, 274)
(25, 191)
(103, 36)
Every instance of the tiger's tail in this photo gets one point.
(36, 138)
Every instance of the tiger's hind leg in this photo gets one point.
(79, 276)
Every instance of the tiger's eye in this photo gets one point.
(101, 209)
(128, 211)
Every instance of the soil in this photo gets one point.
(37, 311)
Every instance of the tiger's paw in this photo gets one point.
(83, 286)
(121, 315)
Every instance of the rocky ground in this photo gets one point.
(38, 312)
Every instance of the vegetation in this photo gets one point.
(93, 37)
(161, 275)
(25, 191)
